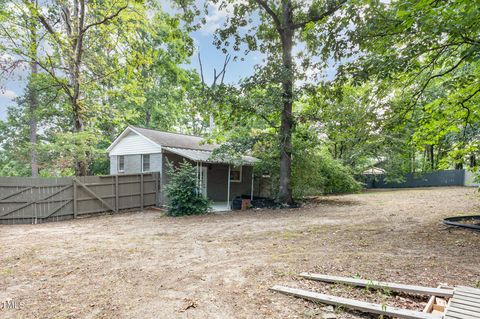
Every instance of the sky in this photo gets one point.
(211, 58)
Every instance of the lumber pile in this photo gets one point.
(444, 303)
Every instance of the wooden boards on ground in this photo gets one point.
(439, 292)
(465, 304)
(355, 304)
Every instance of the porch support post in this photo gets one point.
(251, 192)
(201, 179)
(198, 174)
(228, 187)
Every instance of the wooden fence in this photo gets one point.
(27, 200)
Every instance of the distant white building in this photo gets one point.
(374, 171)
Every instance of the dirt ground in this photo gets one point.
(146, 265)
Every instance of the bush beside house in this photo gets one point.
(184, 195)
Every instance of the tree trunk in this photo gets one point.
(473, 160)
(286, 126)
(148, 117)
(81, 167)
(33, 97)
(413, 161)
(33, 105)
(81, 164)
(432, 156)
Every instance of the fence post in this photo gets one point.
(75, 198)
(116, 194)
(141, 191)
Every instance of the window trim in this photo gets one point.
(118, 163)
(143, 163)
(236, 180)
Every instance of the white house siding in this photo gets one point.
(113, 164)
(133, 164)
(134, 144)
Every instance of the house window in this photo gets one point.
(236, 174)
(146, 163)
(121, 164)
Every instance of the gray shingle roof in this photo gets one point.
(177, 140)
(207, 157)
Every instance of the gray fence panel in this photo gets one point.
(36, 200)
(435, 178)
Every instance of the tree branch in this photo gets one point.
(107, 18)
(225, 63)
(321, 16)
(201, 71)
(272, 13)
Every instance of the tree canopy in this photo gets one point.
(404, 93)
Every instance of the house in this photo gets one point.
(374, 171)
(140, 150)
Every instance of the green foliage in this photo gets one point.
(130, 74)
(423, 57)
(406, 97)
(316, 172)
(183, 193)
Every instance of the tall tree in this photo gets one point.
(103, 65)
(68, 26)
(12, 30)
(279, 29)
(32, 91)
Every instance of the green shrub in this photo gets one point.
(184, 196)
(316, 172)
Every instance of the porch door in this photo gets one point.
(203, 181)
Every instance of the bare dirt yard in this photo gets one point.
(146, 265)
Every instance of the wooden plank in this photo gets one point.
(75, 199)
(141, 191)
(89, 191)
(467, 291)
(113, 196)
(466, 302)
(58, 208)
(439, 292)
(456, 315)
(473, 314)
(471, 290)
(429, 307)
(467, 307)
(16, 193)
(37, 201)
(116, 194)
(467, 298)
(355, 304)
(440, 301)
(157, 179)
(439, 308)
(462, 294)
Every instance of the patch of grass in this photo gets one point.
(92, 249)
(284, 272)
(287, 234)
(6, 272)
(339, 309)
(163, 236)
